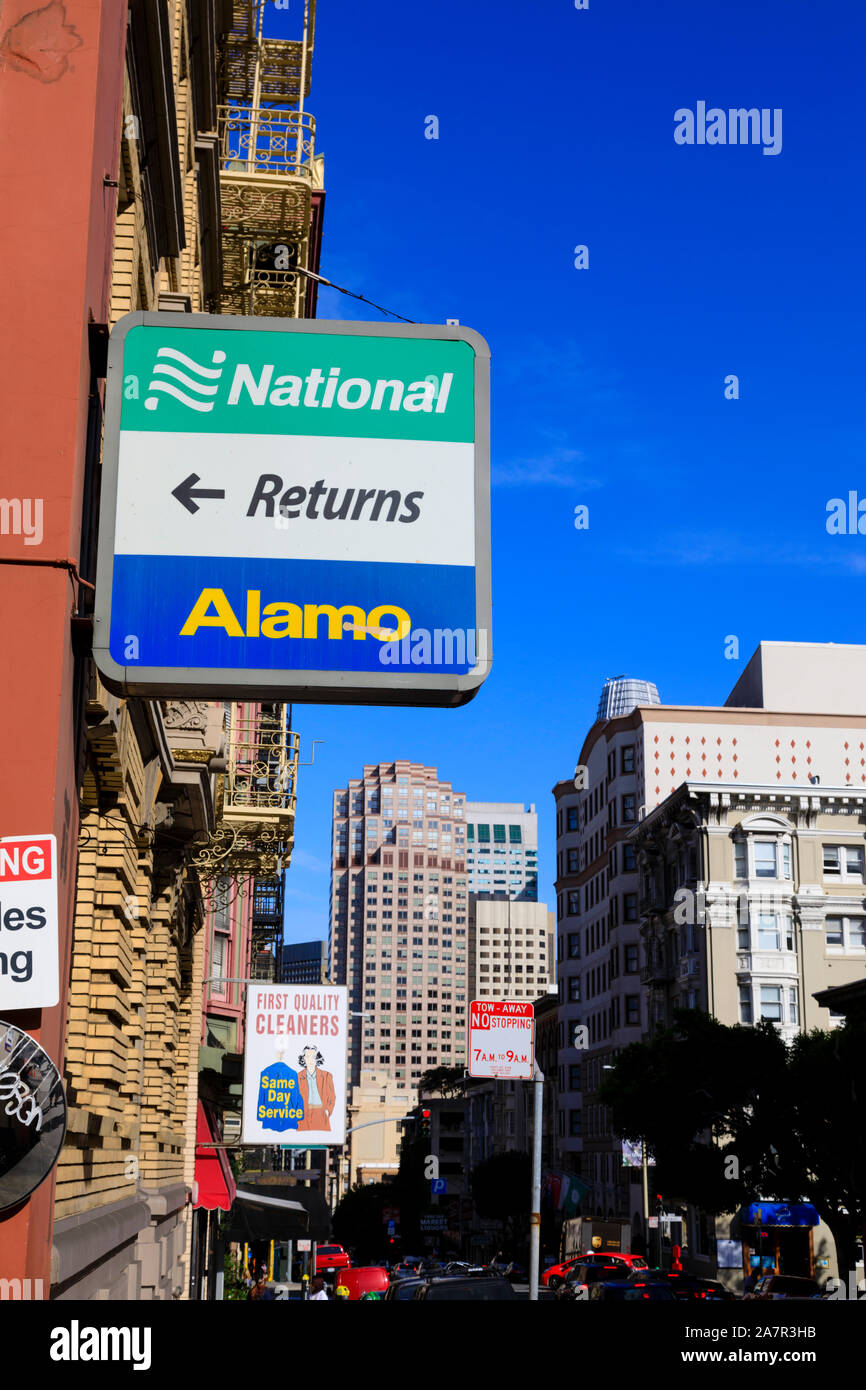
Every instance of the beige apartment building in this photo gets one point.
(737, 804)
(374, 1149)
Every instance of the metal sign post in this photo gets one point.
(535, 1213)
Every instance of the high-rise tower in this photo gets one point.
(398, 931)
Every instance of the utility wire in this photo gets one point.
(322, 281)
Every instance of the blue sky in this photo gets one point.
(707, 516)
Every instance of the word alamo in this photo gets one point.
(445, 646)
(292, 620)
(737, 126)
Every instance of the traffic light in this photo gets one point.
(425, 1124)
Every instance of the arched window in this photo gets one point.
(762, 848)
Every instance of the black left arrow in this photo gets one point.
(187, 491)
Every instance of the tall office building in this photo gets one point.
(756, 810)
(398, 929)
(304, 963)
(502, 848)
(511, 948)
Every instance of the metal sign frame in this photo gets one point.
(393, 686)
(25, 1101)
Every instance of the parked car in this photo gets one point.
(579, 1279)
(688, 1287)
(556, 1275)
(330, 1258)
(466, 1290)
(631, 1291)
(615, 1257)
(400, 1290)
(778, 1286)
(365, 1279)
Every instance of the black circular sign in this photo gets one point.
(32, 1115)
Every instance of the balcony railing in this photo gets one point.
(265, 140)
(256, 811)
(663, 972)
(262, 765)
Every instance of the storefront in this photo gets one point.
(777, 1238)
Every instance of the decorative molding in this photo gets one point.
(186, 714)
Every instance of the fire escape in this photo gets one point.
(256, 826)
(270, 176)
(267, 928)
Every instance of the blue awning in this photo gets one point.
(779, 1214)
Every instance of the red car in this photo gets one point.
(330, 1258)
(370, 1279)
(554, 1277)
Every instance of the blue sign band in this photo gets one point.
(284, 615)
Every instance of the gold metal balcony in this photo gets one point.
(256, 814)
(265, 140)
(268, 169)
(277, 67)
(268, 165)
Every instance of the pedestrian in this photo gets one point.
(260, 1290)
(317, 1292)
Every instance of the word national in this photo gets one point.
(733, 127)
(351, 393)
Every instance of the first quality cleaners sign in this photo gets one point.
(295, 508)
(295, 1065)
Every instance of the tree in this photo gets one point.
(358, 1219)
(443, 1081)
(824, 1153)
(791, 1117)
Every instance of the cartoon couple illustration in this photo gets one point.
(304, 1100)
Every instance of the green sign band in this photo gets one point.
(214, 381)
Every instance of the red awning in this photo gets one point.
(216, 1186)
